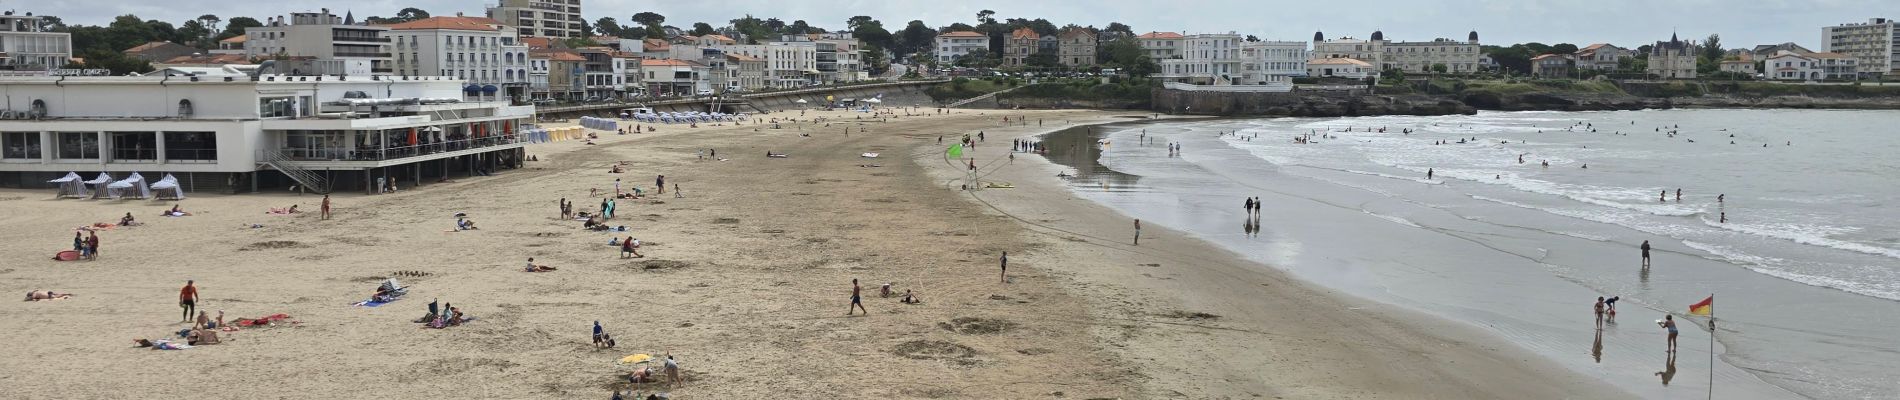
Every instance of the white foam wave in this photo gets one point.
(1394, 219)
(1813, 235)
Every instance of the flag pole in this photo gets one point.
(1711, 346)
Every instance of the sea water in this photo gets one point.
(1519, 207)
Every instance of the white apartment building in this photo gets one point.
(787, 64)
(1876, 44)
(1792, 66)
(674, 77)
(1206, 59)
(955, 44)
(233, 132)
(1456, 56)
(538, 76)
(482, 51)
(1161, 45)
(541, 18)
(320, 43)
(845, 54)
(26, 47)
(1272, 62)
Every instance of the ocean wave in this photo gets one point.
(1395, 219)
(1863, 287)
(1813, 235)
(1587, 194)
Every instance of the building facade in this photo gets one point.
(1161, 45)
(1602, 57)
(1554, 65)
(1019, 45)
(1872, 43)
(1792, 66)
(1339, 67)
(541, 18)
(1272, 62)
(1205, 59)
(1077, 48)
(481, 51)
(951, 45)
(746, 73)
(1837, 66)
(321, 43)
(26, 46)
(1418, 57)
(1674, 59)
(237, 131)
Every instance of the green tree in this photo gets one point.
(52, 23)
(915, 37)
(1563, 48)
(195, 34)
(876, 61)
(1126, 53)
(237, 25)
(702, 29)
(1392, 76)
(607, 26)
(872, 32)
(649, 18)
(410, 14)
(1123, 28)
(799, 27)
(1042, 60)
(1712, 48)
(753, 29)
(118, 62)
(210, 22)
(1439, 68)
(985, 17)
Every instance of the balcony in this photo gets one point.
(361, 54)
(345, 38)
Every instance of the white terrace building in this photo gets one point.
(235, 132)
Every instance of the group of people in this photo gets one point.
(87, 244)
(443, 316)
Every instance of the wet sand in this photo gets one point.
(745, 280)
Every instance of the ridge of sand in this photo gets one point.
(743, 281)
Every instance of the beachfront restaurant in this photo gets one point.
(238, 133)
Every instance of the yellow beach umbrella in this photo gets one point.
(636, 358)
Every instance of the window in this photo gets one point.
(20, 145)
(79, 145)
(134, 145)
(275, 107)
(191, 146)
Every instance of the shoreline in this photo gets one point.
(1212, 324)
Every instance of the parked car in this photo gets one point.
(704, 92)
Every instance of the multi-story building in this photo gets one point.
(237, 132)
(1674, 59)
(1019, 45)
(849, 54)
(1837, 66)
(1339, 67)
(482, 51)
(1554, 65)
(604, 76)
(541, 18)
(27, 46)
(320, 43)
(1791, 66)
(746, 73)
(1876, 44)
(1161, 45)
(1078, 47)
(951, 45)
(1272, 62)
(674, 77)
(787, 64)
(538, 74)
(1205, 59)
(1601, 57)
(566, 74)
(1421, 57)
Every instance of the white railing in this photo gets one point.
(1272, 87)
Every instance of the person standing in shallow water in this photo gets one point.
(1645, 254)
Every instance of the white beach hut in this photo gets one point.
(131, 187)
(167, 188)
(71, 186)
(99, 186)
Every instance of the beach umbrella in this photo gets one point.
(636, 359)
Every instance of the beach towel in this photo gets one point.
(374, 303)
(67, 255)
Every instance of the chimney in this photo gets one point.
(458, 14)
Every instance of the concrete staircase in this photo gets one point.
(985, 96)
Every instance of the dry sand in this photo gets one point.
(745, 280)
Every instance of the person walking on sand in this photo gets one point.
(92, 244)
(1137, 231)
(856, 300)
(325, 208)
(616, 187)
(676, 192)
(660, 184)
(1003, 263)
(1669, 322)
(1645, 254)
(188, 299)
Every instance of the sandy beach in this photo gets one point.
(743, 281)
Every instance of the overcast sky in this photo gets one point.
(1627, 23)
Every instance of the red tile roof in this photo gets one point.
(963, 34)
(456, 23)
(1161, 35)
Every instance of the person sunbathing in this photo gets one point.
(464, 224)
(910, 298)
(47, 295)
(537, 268)
(127, 220)
(202, 337)
(643, 374)
(176, 211)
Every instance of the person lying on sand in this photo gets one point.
(537, 268)
(910, 298)
(202, 337)
(291, 210)
(48, 295)
(174, 212)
